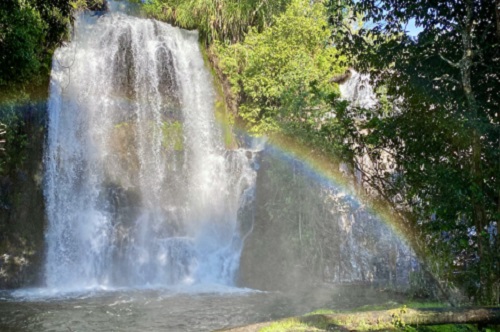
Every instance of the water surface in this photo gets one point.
(190, 309)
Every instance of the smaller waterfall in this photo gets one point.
(140, 189)
(358, 90)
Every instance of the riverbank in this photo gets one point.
(180, 308)
(425, 317)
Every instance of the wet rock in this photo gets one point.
(317, 232)
(22, 205)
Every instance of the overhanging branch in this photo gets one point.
(451, 63)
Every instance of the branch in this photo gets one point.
(447, 77)
(262, 3)
(451, 63)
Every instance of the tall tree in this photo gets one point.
(444, 131)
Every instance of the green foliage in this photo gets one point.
(21, 30)
(217, 20)
(87, 4)
(282, 72)
(444, 135)
(289, 325)
(29, 31)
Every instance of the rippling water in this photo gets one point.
(140, 311)
(169, 310)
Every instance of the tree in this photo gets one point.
(21, 31)
(282, 73)
(29, 32)
(444, 132)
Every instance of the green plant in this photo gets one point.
(30, 30)
(217, 20)
(282, 73)
(22, 30)
(398, 319)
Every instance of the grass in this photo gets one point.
(395, 305)
(447, 328)
(321, 312)
(291, 324)
(319, 324)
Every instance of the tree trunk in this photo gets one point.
(479, 213)
(389, 319)
(497, 238)
(497, 10)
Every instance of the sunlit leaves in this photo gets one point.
(282, 72)
(217, 20)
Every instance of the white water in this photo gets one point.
(358, 90)
(140, 189)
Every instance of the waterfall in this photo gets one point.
(140, 189)
(358, 90)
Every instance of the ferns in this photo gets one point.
(217, 20)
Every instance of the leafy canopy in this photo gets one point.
(282, 71)
(444, 131)
(217, 20)
(29, 31)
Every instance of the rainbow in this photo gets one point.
(315, 165)
(326, 171)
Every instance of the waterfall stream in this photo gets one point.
(140, 189)
(358, 90)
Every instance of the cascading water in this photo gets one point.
(358, 90)
(140, 189)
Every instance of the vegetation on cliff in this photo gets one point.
(281, 74)
(217, 20)
(29, 32)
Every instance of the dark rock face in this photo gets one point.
(22, 211)
(308, 231)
